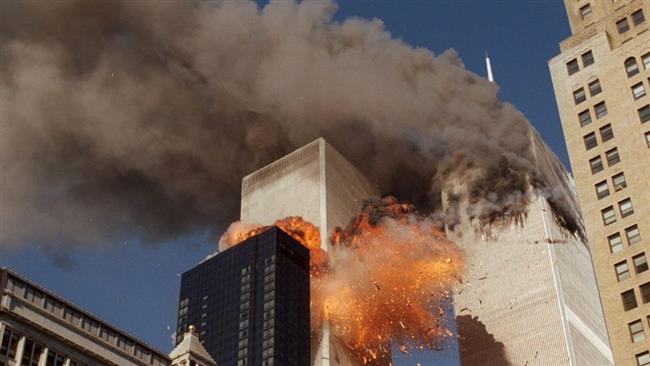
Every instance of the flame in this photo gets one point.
(385, 279)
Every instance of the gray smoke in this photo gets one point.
(123, 118)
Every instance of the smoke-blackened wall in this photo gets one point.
(141, 118)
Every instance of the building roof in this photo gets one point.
(193, 346)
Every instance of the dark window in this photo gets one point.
(631, 68)
(587, 59)
(618, 181)
(645, 292)
(633, 234)
(594, 87)
(572, 66)
(590, 141)
(622, 271)
(612, 157)
(622, 26)
(638, 17)
(629, 300)
(585, 12)
(646, 61)
(596, 165)
(640, 263)
(606, 133)
(625, 206)
(608, 214)
(615, 243)
(638, 91)
(600, 109)
(579, 95)
(602, 189)
(584, 117)
(644, 113)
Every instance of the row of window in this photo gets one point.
(632, 234)
(606, 134)
(618, 182)
(600, 111)
(638, 90)
(244, 311)
(587, 60)
(579, 95)
(623, 25)
(631, 66)
(625, 207)
(612, 157)
(629, 297)
(32, 352)
(622, 269)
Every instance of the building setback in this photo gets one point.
(39, 328)
(250, 303)
(601, 80)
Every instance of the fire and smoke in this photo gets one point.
(139, 118)
(384, 279)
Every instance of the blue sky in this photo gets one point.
(136, 287)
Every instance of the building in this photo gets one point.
(190, 351)
(601, 79)
(319, 184)
(250, 303)
(39, 328)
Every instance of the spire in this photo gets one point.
(489, 68)
(190, 349)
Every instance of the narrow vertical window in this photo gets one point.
(579, 96)
(640, 263)
(606, 133)
(645, 292)
(636, 331)
(647, 139)
(615, 243)
(594, 87)
(612, 157)
(584, 117)
(638, 91)
(625, 206)
(646, 61)
(600, 109)
(631, 68)
(585, 12)
(638, 17)
(572, 67)
(644, 113)
(608, 214)
(602, 189)
(622, 271)
(590, 141)
(587, 58)
(633, 234)
(618, 181)
(629, 300)
(596, 165)
(622, 26)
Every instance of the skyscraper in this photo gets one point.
(250, 303)
(601, 79)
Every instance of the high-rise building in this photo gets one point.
(250, 303)
(39, 328)
(319, 184)
(601, 80)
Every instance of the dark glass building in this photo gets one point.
(250, 303)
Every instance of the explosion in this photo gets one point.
(384, 279)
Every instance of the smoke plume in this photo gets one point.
(127, 118)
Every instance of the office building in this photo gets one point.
(601, 80)
(39, 328)
(317, 183)
(250, 303)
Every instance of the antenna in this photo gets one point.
(489, 68)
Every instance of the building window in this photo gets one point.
(645, 292)
(596, 165)
(572, 66)
(587, 58)
(590, 141)
(643, 359)
(638, 91)
(609, 217)
(638, 17)
(622, 26)
(615, 243)
(618, 181)
(606, 133)
(625, 206)
(622, 271)
(633, 234)
(631, 67)
(636, 331)
(640, 263)
(629, 300)
(644, 113)
(602, 189)
(600, 109)
(612, 157)
(579, 95)
(585, 12)
(9, 344)
(584, 117)
(594, 87)
(646, 61)
(647, 139)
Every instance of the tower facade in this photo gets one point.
(601, 79)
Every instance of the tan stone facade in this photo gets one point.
(601, 80)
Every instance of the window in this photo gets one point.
(638, 17)
(643, 359)
(579, 95)
(636, 331)
(638, 91)
(606, 133)
(625, 206)
(631, 67)
(644, 113)
(590, 141)
(600, 109)
(645, 292)
(602, 189)
(646, 61)
(622, 26)
(587, 58)
(594, 87)
(615, 243)
(622, 271)
(572, 67)
(596, 165)
(585, 12)
(619, 182)
(633, 234)
(612, 157)
(647, 139)
(629, 300)
(584, 117)
(609, 217)
(640, 263)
